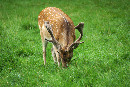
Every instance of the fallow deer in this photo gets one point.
(58, 28)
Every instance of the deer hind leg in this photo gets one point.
(53, 54)
(57, 55)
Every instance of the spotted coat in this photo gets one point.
(62, 25)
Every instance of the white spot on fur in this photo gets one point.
(56, 26)
(61, 33)
(50, 12)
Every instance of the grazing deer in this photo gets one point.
(58, 28)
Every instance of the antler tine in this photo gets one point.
(80, 29)
(75, 45)
(77, 42)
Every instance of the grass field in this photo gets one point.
(102, 61)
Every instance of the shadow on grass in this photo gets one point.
(24, 53)
(28, 26)
(126, 56)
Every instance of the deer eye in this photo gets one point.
(64, 54)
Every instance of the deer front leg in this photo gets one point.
(53, 54)
(44, 51)
(44, 45)
(58, 58)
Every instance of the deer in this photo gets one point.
(58, 28)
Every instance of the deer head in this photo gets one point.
(66, 53)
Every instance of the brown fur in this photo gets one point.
(63, 30)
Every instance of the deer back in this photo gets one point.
(61, 24)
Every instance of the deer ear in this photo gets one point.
(47, 24)
(54, 41)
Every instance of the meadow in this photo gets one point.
(102, 61)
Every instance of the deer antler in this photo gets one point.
(54, 41)
(77, 42)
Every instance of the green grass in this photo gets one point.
(102, 61)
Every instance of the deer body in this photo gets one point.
(57, 27)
